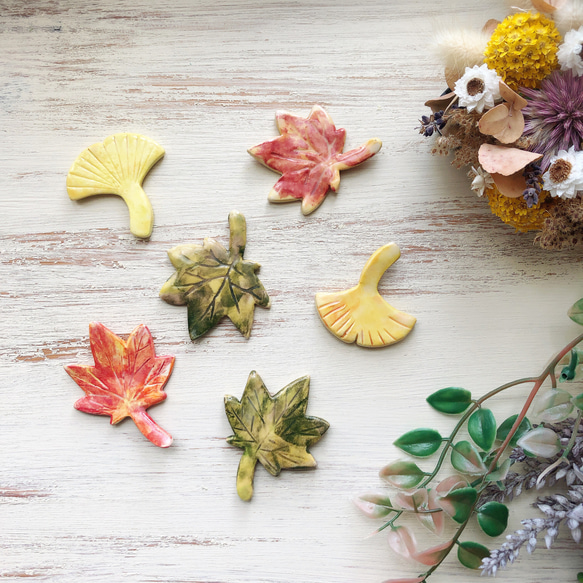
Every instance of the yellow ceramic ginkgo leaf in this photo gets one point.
(118, 165)
(360, 314)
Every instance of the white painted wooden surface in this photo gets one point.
(81, 501)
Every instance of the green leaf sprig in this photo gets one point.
(478, 461)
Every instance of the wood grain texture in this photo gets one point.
(81, 501)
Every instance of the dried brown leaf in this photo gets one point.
(505, 121)
(440, 103)
(494, 121)
(511, 186)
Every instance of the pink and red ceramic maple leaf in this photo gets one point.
(127, 378)
(308, 154)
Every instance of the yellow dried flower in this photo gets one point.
(523, 49)
(514, 212)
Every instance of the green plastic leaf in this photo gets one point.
(459, 503)
(554, 406)
(500, 473)
(374, 504)
(482, 428)
(541, 442)
(493, 518)
(576, 312)
(401, 474)
(506, 425)
(578, 401)
(470, 554)
(452, 400)
(580, 577)
(419, 442)
(465, 458)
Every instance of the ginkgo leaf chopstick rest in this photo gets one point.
(360, 314)
(126, 379)
(308, 154)
(118, 165)
(214, 282)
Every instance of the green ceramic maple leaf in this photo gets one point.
(214, 282)
(273, 430)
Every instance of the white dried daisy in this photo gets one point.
(565, 174)
(570, 53)
(478, 88)
(482, 180)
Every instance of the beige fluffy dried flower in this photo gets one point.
(569, 16)
(461, 48)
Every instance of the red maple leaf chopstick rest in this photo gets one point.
(308, 154)
(127, 378)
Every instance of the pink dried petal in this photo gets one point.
(504, 160)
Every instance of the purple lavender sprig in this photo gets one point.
(432, 123)
(534, 179)
(557, 509)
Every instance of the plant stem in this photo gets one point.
(245, 474)
(477, 404)
(566, 451)
(574, 434)
(150, 428)
(390, 522)
(548, 371)
(451, 103)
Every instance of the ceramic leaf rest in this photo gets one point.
(214, 282)
(360, 314)
(308, 154)
(118, 165)
(272, 430)
(126, 379)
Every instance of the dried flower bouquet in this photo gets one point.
(513, 116)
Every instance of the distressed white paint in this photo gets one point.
(85, 502)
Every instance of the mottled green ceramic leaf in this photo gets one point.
(576, 312)
(493, 518)
(470, 554)
(482, 428)
(215, 283)
(273, 430)
(452, 400)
